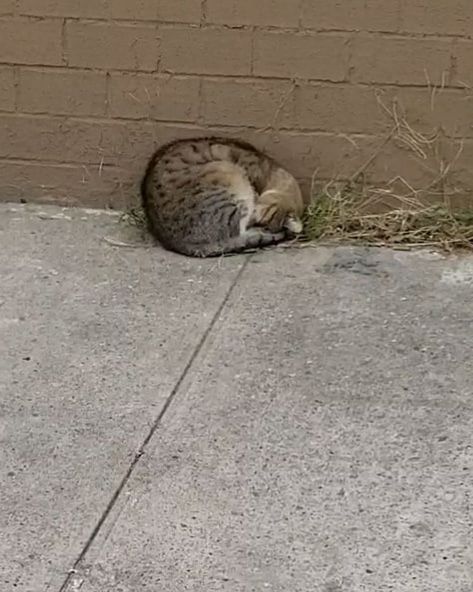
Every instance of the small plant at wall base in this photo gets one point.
(134, 217)
(342, 217)
(344, 212)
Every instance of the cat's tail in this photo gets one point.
(253, 238)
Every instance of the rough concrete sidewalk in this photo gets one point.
(291, 421)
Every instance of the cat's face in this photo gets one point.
(281, 205)
(272, 214)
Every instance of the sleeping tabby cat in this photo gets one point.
(210, 196)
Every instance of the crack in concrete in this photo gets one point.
(72, 581)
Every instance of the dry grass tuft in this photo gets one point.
(344, 213)
(342, 217)
(134, 217)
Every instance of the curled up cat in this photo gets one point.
(206, 197)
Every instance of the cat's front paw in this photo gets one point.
(293, 225)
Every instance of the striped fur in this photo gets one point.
(211, 196)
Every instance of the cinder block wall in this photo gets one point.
(88, 88)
